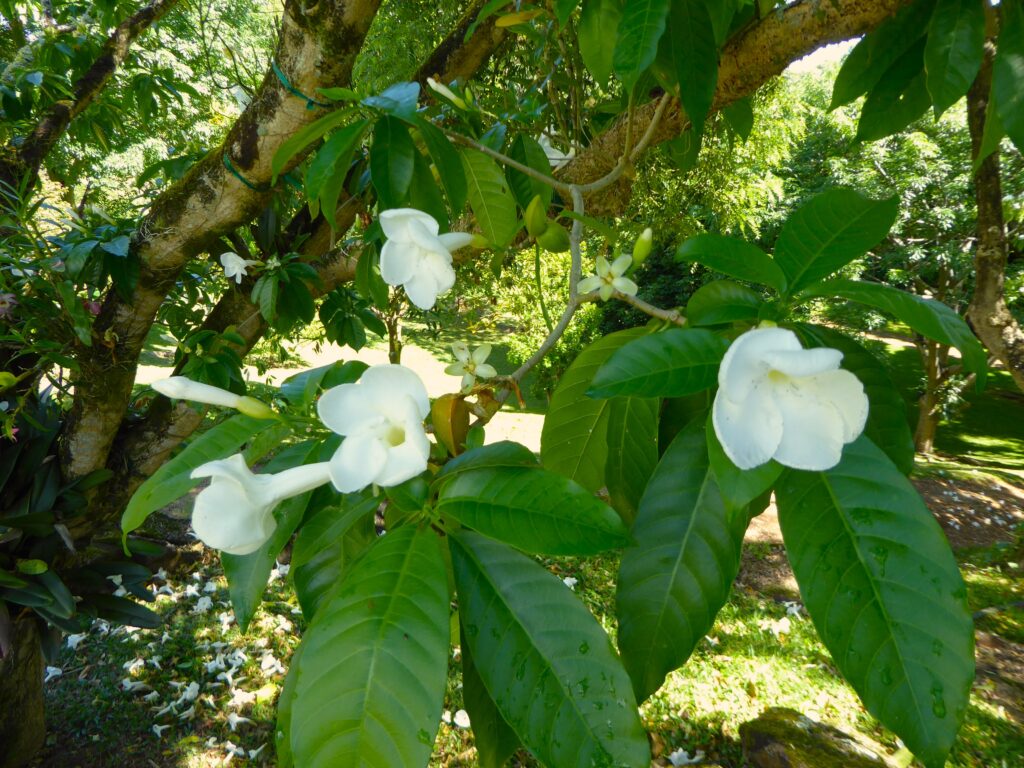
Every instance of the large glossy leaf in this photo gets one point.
(830, 230)
(392, 161)
(691, 36)
(283, 731)
(564, 9)
(674, 581)
(674, 363)
(598, 30)
(371, 677)
(721, 302)
(304, 137)
(449, 165)
(1008, 72)
(333, 159)
(532, 509)
(174, 478)
(495, 740)
(882, 586)
(926, 316)
(528, 151)
(501, 454)
(328, 544)
(544, 660)
(899, 98)
(887, 424)
(952, 55)
(489, 197)
(736, 258)
(878, 50)
(632, 451)
(642, 25)
(573, 441)
(739, 487)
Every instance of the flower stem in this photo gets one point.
(540, 288)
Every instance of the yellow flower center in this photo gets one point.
(395, 435)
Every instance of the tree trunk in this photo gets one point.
(22, 724)
(927, 423)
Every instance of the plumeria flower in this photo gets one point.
(471, 365)
(235, 266)
(416, 257)
(381, 417)
(609, 278)
(779, 401)
(235, 512)
(183, 388)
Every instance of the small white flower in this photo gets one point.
(793, 608)
(117, 579)
(76, 640)
(446, 717)
(203, 604)
(134, 665)
(209, 587)
(191, 590)
(151, 696)
(555, 156)
(189, 694)
(471, 365)
(779, 401)
(188, 714)
(211, 742)
(134, 686)
(159, 730)
(461, 718)
(381, 417)
(570, 582)
(682, 757)
(233, 749)
(235, 266)
(271, 665)
(416, 257)
(161, 574)
(235, 512)
(609, 278)
(240, 698)
(234, 720)
(52, 673)
(216, 665)
(254, 753)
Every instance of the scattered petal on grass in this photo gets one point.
(461, 719)
(234, 720)
(570, 582)
(51, 673)
(76, 640)
(159, 730)
(682, 757)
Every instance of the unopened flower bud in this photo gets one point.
(643, 246)
(536, 217)
(480, 242)
(554, 239)
(447, 92)
(250, 406)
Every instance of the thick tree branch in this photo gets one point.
(457, 58)
(988, 312)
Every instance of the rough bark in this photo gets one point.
(317, 48)
(457, 58)
(22, 723)
(28, 158)
(991, 318)
(747, 62)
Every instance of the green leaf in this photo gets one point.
(598, 30)
(174, 479)
(882, 586)
(489, 197)
(425, 194)
(887, 424)
(501, 454)
(691, 36)
(120, 610)
(632, 451)
(533, 510)
(642, 25)
(736, 258)
(529, 152)
(328, 544)
(953, 53)
(118, 246)
(398, 100)
(722, 302)
(449, 165)
(900, 98)
(928, 317)
(495, 740)
(829, 231)
(305, 136)
(674, 363)
(1008, 72)
(674, 581)
(392, 161)
(303, 388)
(740, 116)
(738, 486)
(558, 683)
(992, 136)
(332, 159)
(564, 9)
(371, 677)
(573, 441)
(878, 51)
(283, 731)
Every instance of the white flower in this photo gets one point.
(235, 720)
(447, 92)
(75, 640)
(779, 401)
(416, 257)
(570, 582)
(461, 718)
(556, 157)
(159, 730)
(203, 604)
(609, 278)
(682, 757)
(131, 686)
(51, 673)
(471, 366)
(381, 417)
(235, 512)
(235, 266)
(183, 388)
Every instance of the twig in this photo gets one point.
(668, 315)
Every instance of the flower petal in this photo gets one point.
(804, 362)
(406, 460)
(395, 222)
(588, 284)
(845, 392)
(743, 366)
(461, 351)
(812, 431)
(481, 353)
(625, 285)
(603, 268)
(455, 369)
(398, 261)
(486, 371)
(749, 431)
(453, 241)
(226, 518)
(605, 291)
(468, 381)
(621, 264)
(391, 383)
(422, 289)
(347, 408)
(358, 462)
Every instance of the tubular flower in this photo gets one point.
(779, 401)
(235, 266)
(183, 388)
(447, 92)
(609, 278)
(381, 418)
(235, 512)
(471, 366)
(416, 257)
